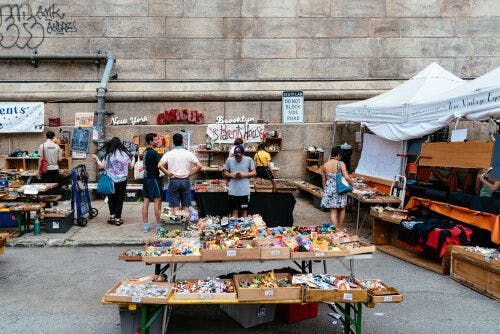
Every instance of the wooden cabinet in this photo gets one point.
(25, 163)
(314, 158)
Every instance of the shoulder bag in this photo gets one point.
(43, 163)
(264, 171)
(105, 184)
(342, 185)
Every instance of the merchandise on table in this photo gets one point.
(305, 246)
(358, 247)
(382, 293)
(489, 253)
(172, 250)
(134, 254)
(272, 247)
(267, 286)
(162, 233)
(332, 288)
(140, 291)
(327, 282)
(209, 288)
(169, 216)
(262, 185)
(283, 186)
(319, 229)
(278, 231)
(211, 185)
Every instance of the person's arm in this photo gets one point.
(197, 167)
(227, 173)
(492, 186)
(100, 164)
(322, 171)
(161, 166)
(132, 163)
(60, 155)
(345, 174)
(252, 170)
(478, 185)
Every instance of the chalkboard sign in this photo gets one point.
(496, 159)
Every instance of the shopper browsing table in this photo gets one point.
(53, 154)
(262, 159)
(238, 170)
(179, 164)
(151, 186)
(331, 198)
(116, 162)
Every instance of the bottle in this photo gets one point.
(36, 229)
(146, 227)
(208, 144)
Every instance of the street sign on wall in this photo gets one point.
(292, 107)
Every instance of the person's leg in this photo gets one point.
(112, 198)
(243, 205)
(186, 194)
(174, 194)
(157, 207)
(341, 213)
(233, 206)
(333, 217)
(145, 207)
(120, 191)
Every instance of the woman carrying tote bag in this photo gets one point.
(116, 163)
(332, 199)
(262, 159)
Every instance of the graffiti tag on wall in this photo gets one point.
(22, 27)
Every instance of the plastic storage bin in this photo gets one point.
(130, 322)
(7, 219)
(58, 224)
(292, 313)
(250, 315)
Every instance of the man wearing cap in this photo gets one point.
(238, 169)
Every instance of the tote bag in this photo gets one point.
(105, 185)
(43, 163)
(342, 185)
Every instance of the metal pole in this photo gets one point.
(101, 100)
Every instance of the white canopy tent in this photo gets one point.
(387, 114)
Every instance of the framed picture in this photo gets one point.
(84, 119)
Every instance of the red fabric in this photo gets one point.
(454, 239)
(417, 248)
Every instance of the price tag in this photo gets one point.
(55, 225)
(136, 299)
(205, 296)
(275, 253)
(30, 190)
(319, 254)
(268, 293)
(231, 252)
(345, 239)
(347, 296)
(388, 299)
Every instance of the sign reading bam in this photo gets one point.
(21, 117)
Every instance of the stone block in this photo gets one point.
(313, 48)
(485, 46)
(319, 135)
(312, 112)
(478, 27)
(427, 27)
(385, 27)
(455, 8)
(312, 27)
(213, 8)
(197, 48)
(240, 69)
(355, 47)
(412, 8)
(140, 69)
(86, 27)
(293, 136)
(269, 48)
(271, 111)
(292, 164)
(313, 8)
(411, 66)
(339, 68)
(125, 47)
(485, 8)
(135, 27)
(64, 46)
(475, 66)
(194, 69)
(49, 71)
(361, 8)
(119, 8)
(268, 8)
(237, 27)
(194, 27)
(284, 69)
(166, 8)
(426, 47)
(234, 110)
(67, 111)
(384, 67)
(79, 8)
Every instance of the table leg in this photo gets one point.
(357, 216)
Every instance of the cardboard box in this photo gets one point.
(363, 248)
(250, 315)
(265, 294)
(272, 253)
(319, 253)
(171, 259)
(337, 296)
(476, 272)
(231, 254)
(110, 297)
(387, 295)
(205, 296)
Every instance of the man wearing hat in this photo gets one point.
(238, 169)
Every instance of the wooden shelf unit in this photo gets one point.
(314, 158)
(25, 163)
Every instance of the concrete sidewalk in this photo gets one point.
(99, 233)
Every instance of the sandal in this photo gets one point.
(111, 221)
(118, 221)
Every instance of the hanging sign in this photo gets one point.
(21, 117)
(134, 120)
(227, 133)
(180, 116)
(292, 107)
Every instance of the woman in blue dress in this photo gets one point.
(331, 198)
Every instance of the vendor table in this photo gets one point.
(22, 213)
(275, 208)
(373, 201)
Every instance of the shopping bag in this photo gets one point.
(139, 170)
(43, 166)
(342, 185)
(105, 185)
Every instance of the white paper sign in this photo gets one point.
(347, 296)
(292, 107)
(55, 225)
(136, 299)
(231, 252)
(388, 299)
(268, 293)
(21, 117)
(458, 135)
(227, 133)
(30, 190)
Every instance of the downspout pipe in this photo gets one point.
(101, 100)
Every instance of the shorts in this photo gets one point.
(238, 202)
(180, 193)
(151, 188)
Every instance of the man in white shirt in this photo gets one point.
(179, 164)
(53, 154)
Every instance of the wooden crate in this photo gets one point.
(319, 253)
(205, 296)
(284, 186)
(130, 258)
(110, 297)
(476, 154)
(266, 294)
(231, 254)
(263, 186)
(337, 296)
(363, 249)
(272, 253)
(387, 295)
(3, 241)
(474, 271)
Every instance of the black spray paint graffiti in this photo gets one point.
(20, 27)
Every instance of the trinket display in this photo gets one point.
(141, 291)
(327, 282)
(268, 280)
(267, 286)
(169, 216)
(273, 247)
(262, 185)
(134, 254)
(283, 186)
(488, 253)
(382, 293)
(310, 246)
(209, 288)
(172, 250)
(331, 288)
(211, 185)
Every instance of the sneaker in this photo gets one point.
(146, 228)
(158, 227)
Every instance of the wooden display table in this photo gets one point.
(378, 199)
(476, 272)
(3, 242)
(385, 238)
